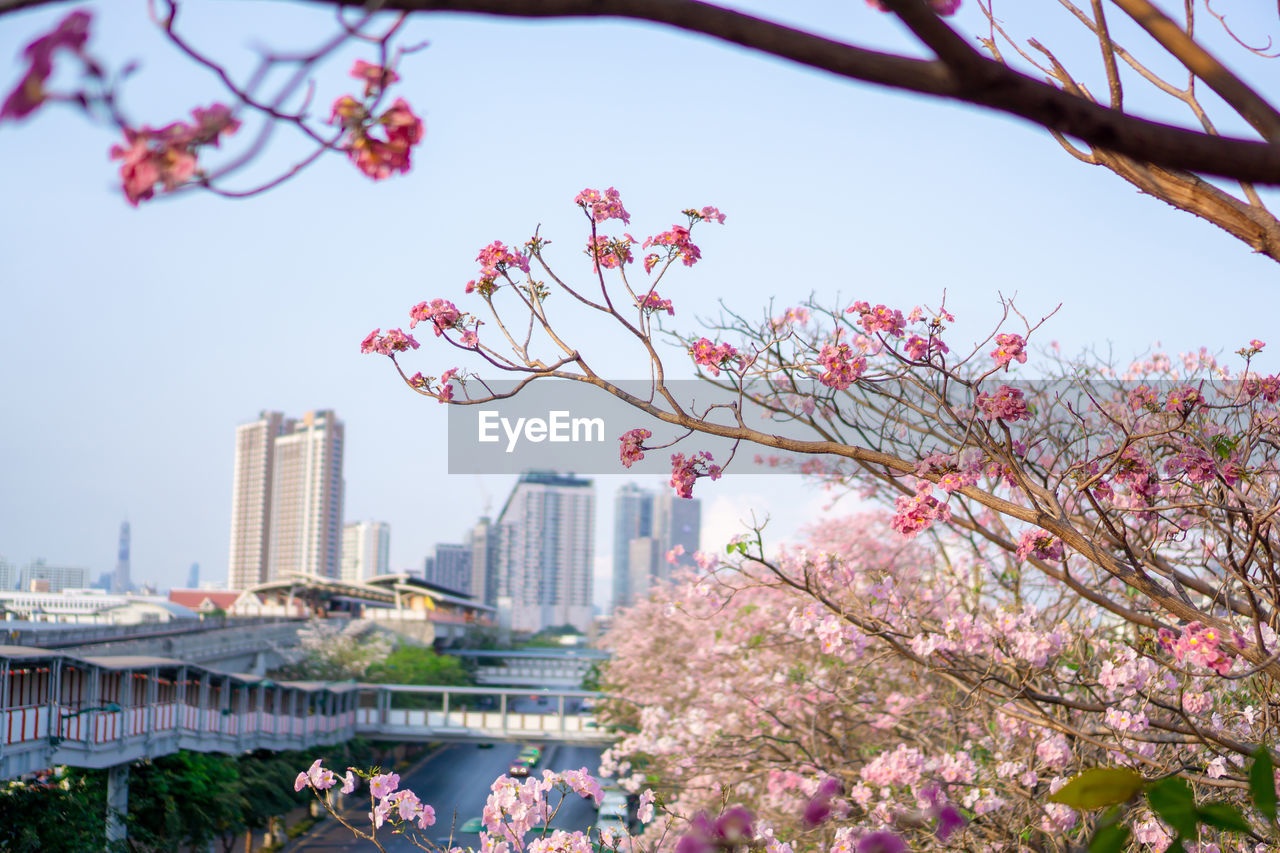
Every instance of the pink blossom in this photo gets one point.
(633, 445)
(879, 319)
(881, 842)
(377, 157)
(442, 313)
(652, 303)
(674, 555)
(919, 349)
(1006, 404)
(644, 812)
(1266, 387)
(1041, 545)
(496, 258)
(1197, 644)
(384, 784)
(71, 33)
(1054, 751)
(916, 513)
(685, 472)
(712, 356)
(1126, 721)
(393, 341)
(1009, 348)
(842, 367)
(348, 782)
(1183, 399)
(711, 214)
(602, 206)
(1196, 703)
(375, 77)
(677, 244)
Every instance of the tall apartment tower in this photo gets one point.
(251, 500)
(286, 504)
(632, 519)
(545, 552)
(366, 550)
(677, 521)
(450, 567)
(646, 527)
(120, 579)
(483, 540)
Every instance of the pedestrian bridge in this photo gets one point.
(57, 708)
(534, 667)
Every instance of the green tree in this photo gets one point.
(69, 815)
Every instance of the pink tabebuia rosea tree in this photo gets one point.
(976, 57)
(1103, 560)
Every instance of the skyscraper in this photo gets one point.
(120, 580)
(193, 576)
(450, 567)
(286, 504)
(632, 519)
(483, 540)
(366, 550)
(646, 528)
(251, 500)
(545, 551)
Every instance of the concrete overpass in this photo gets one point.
(552, 668)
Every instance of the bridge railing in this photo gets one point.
(56, 708)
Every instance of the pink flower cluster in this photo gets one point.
(496, 259)
(633, 445)
(878, 319)
(677, 244)
(713, 356)
(167, 156)
(1266, 387)
(378, 158)
(920, 349)
(1183, 400)
(1041, 545)
(608, 253)
(843, 367)
(442, 314)
(1197, 644)
(686, 471)
(1009, 348)
(1006, 404)
(322, 779)
(393, 341)
(708, 214)
(653, 303)
(602, 206)
(375, 77)
(71, 33)
(917, 513)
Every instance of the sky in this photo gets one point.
(133, 341)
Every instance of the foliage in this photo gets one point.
(67, 814)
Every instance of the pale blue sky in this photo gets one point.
(133, 341)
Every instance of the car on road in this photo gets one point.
(471, 825)
(615, 806)
(530, 755)
(612, 826)
(518, 770)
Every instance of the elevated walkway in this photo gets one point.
(59, 708)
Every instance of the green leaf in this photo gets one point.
(1175, 802)
(1110, 839)
(1099, 787)
(1222, 816)
(1262, 782)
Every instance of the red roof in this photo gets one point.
(204, 599)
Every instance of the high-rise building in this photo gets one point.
(366, 550)
(193, 576)
(632, 519)
(678, 521)
(286, 504)
(450, 567)
(483, 540)
(544, 554)
(9, 575)
(39, 576)
(120, 580)
(251, 500)
(646, 528)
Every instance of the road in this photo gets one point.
(455, 780)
